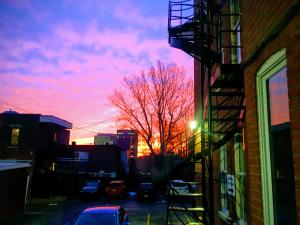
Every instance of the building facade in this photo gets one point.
(247, 99)
(98, 161)
(35, 137)
(105, 138)
(25, 136)
(272, 92)
(14, 183)
(128, 140)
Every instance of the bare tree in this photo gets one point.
(157, 103)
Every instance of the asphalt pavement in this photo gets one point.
(60, 210)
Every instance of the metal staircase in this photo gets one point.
(189, 28)
(201, 29)
(185, 205)
(227, 103)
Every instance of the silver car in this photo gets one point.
(103, 215)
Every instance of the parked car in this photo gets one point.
(146, 191)
(179, 187)
(90, 189)
(116, 188)
(103, 215)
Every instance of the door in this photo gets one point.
(275, 142)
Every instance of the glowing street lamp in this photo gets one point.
(193, 124)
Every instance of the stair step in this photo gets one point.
(188, 26)
(227, 94)
(182, 209)
(189, 223)
(191, 48)
(227, 120)
(186, 194)
(235, 69)
(227, 107)
(187, 182)
(228, 84)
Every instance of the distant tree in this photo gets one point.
(157, 103)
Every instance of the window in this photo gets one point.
(223, 168)
(277, 171)
(14, 139)
(55, 137)
(233, 182)
(240, 179)
(236, 56)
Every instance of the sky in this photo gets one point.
(65, 57)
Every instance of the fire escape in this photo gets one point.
(203, 29)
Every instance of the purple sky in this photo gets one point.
(64, 57)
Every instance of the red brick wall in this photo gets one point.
(257, 19)
(293, 56)
(258, 16)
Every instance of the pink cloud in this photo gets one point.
(80, 96)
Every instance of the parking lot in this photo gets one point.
(60, 210)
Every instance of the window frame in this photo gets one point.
(235, 37)
(13, 137)
(270, 67)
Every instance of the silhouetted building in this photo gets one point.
(25, 136)
(105, 138)
(128, 140)
(14, 182)
(97, 161)
(34, 137)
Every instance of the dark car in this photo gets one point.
(146, 192)
(90, 189)
(116, 188)
(103, 215)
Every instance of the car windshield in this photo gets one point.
(97, 219)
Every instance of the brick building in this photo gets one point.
(272, 91)
(247, 102)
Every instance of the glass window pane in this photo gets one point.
(278, 97)
(15, 132)
(281, 150)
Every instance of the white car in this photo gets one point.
(179, 187)
(91, 188)
(103, 215)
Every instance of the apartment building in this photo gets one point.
(247, 102)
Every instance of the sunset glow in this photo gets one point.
(64, 58)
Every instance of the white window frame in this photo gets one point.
(272, 65)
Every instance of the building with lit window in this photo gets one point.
(34, 137)
(247, 104)
(128, 140)
(24, 136)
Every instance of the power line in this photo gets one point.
(73, 128)
(93, 124)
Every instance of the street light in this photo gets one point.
(193, 124)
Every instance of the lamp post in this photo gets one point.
(193, 124)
